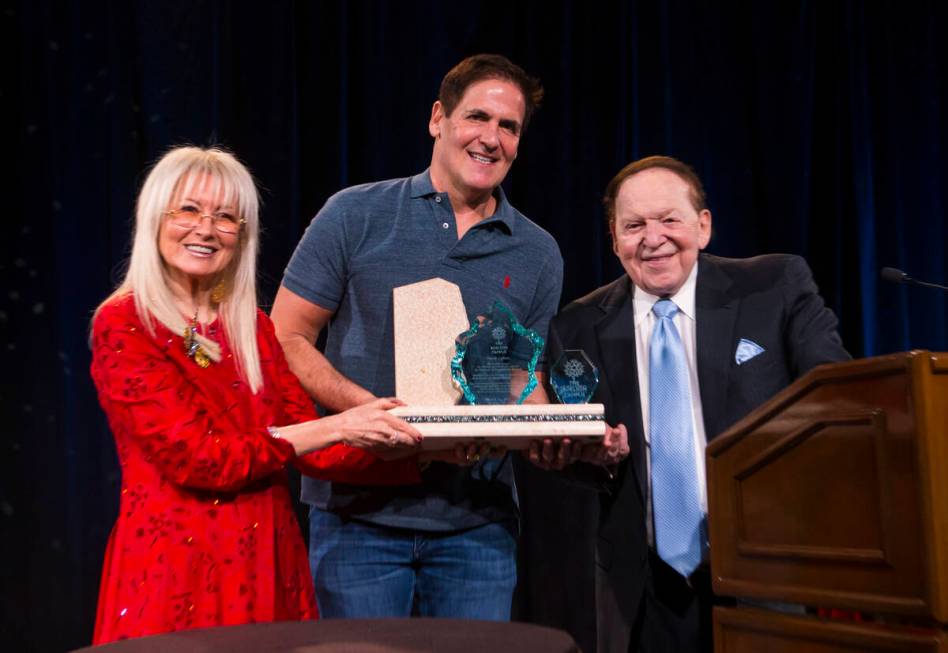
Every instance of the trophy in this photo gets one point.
(573, 377)
(469, 384)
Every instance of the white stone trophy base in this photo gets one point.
(513, 427)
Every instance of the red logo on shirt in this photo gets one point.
(507, 281)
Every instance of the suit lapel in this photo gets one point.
(615, 334)
(716, 312)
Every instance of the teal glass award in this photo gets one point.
(496, 358)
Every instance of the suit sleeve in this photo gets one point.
(811, 334)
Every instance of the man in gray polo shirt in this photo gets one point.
(448, 544)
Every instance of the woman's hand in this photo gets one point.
(368, 427)
(371, 427)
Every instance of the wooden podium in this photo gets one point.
(834, 494)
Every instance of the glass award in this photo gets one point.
(496, 358)
(574, 377)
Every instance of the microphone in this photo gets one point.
(895, 275)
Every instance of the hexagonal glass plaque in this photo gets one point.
(574, 377)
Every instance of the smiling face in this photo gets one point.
(198, 255)
(476, 145)
(658, 232)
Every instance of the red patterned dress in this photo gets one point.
(206, 533)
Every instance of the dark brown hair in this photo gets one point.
(695, 193)
(489, 66)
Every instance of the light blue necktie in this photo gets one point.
(676, 501)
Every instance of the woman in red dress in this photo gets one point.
(206, 414)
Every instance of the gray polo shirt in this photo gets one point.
(372, 238)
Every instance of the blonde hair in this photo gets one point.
(174, 175)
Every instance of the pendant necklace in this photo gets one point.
(192, 347)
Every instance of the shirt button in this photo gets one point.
(445, 225)
(438, 199)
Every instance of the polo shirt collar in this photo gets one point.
(421, 186)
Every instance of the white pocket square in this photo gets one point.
(746, 350)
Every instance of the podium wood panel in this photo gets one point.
(739, 630)
(835, 492)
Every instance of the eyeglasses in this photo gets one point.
(189, 217)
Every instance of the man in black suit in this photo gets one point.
(743, 328)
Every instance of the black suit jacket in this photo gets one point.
(771, 300)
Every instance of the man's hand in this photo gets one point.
(611, 451)
(464, 454)
(550, 455)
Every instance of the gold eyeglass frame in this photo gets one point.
(200, 218)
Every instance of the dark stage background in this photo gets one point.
(818, 128)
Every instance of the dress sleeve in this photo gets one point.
(151, 404)
(338, 463)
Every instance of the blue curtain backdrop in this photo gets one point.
(818, 128)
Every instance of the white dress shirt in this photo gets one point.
(685, 323)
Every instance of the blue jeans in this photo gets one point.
(365, 571)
